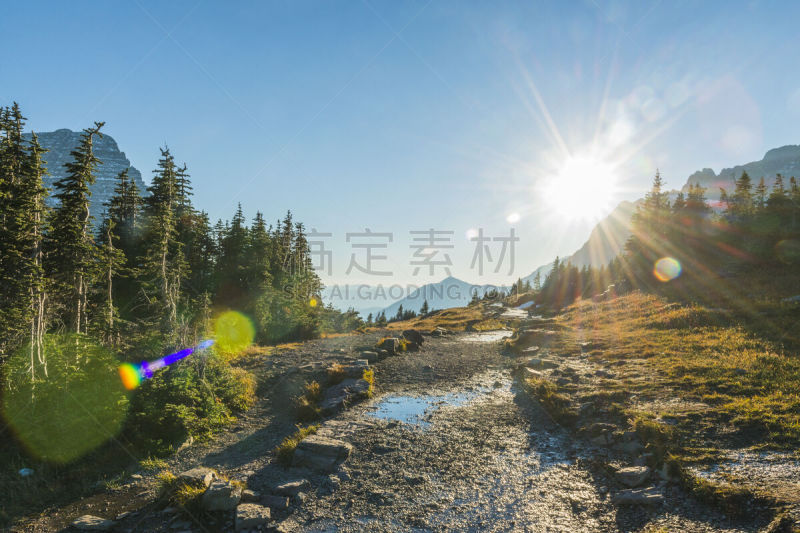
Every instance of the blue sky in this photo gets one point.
(400, 116)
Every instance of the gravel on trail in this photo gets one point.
(447, 443)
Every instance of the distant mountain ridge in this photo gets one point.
(608, 237)
(61, 142)
(450, 292)
(784, 160)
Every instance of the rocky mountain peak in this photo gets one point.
(61, 142)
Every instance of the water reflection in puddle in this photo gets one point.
(487, 336)
(418, 409)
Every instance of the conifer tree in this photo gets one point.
(163, 262)
(71, 251)
(424, 310)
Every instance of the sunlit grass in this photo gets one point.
(285, 450)
(700, 354)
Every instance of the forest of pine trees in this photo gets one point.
(756, 229)
(146, 279)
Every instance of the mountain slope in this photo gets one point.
(61, 142)
(450, 292)
(608, 237)
(604, 243)
(784, 160)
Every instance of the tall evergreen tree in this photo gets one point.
(163, 262)
(71, 251)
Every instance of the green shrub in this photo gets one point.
(192, 397)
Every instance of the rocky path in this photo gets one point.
(448, 443)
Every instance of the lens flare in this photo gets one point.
(233, 332)
(667, 269)
(131, 378)
(313, 302)
(133, 375)
(60, 410)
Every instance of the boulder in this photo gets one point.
(632, 476)
(250, 496)
(337, 396)
(251, 516)
(222, 496)
(278, 503)
(648, 496)
(321, 453)
(198, 476)
(370, 356)
(291, 488)
(390, 344)
(413, 335)
(528, 373)
(88, 522)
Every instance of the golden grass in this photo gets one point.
(699, 354)
(455, 319)
(285, 449)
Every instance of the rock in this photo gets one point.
(251, 515)
(600, 440)
(412, 346)
(440, 332)
(290, 488)
(339, 395)
(390, 344)
(604, 374)
(221, 496)
(278, 503)
(537, 362)
(250, 496)
(648, 496)
(413, 335)
(531, 350)
(198, 476)
(528, 373)
(88, 522)
(61, 142)
(370, 356)
(633, 476)
(321, 453)
(599, 428)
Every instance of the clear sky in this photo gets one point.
(410, 115)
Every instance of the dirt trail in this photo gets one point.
(448, 443)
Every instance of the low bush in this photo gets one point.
(285, 449)
(306, 405)
(189, 398)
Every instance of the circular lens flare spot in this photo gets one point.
(513, 218)
(130, 375)
(313, 302)
(233, 332)
(58, 410)
(667, 269)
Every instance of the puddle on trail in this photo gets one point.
(417, 410)
(487, 336)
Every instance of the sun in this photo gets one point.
(584, 188)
